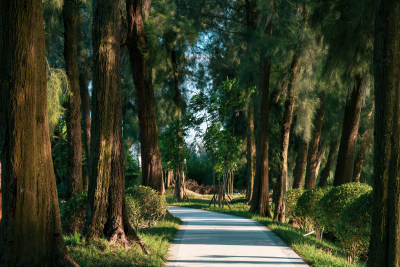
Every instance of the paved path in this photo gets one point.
(215, 239)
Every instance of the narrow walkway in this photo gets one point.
(215, 239)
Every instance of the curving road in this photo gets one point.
(215, 239)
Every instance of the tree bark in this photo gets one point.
(366, 139)
(328, 165)
(280, 200)
(352, 112)
(300, 165)
(73, 103)
(142, 74)
(312, 158)
(260, 200)
(251, 150)
(30, 231)
(385, 237)
(106, 214)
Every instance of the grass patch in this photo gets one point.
(315, 253)
(101, 253)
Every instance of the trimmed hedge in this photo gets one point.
(354, 227)
(144, 206)
(330, 208)
(291, 201)
(307, 205)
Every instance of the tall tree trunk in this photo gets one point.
(260, 200)
(73, 103)
(300, 165)
(312, 158)
(179, 185)
(385, 237)
(142, 75)
(321, 152)
(366, 139)
(251, 20)
(352, 112)
(328, 165)
(251, 150)
(85, 108)
(280, 200)
(106, 215)
(30, 231)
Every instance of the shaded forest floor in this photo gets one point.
(314, 252)
(102, 253)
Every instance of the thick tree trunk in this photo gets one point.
(73, 103)
(251, 150)
(30, 231)
(280, 189)
(352, 112)
(106, 214)
(300, 165)
(328, 165)
(312, 158)
(385, 237)
(142, 75)
(260, 200)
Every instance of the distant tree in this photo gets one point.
(138, 47)
(30, 231)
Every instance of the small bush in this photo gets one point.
(148, 206)
(354, 227)
(73, 213)
(306, 207)
(291, 201)
(331, 206)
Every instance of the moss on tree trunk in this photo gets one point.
(30, 231)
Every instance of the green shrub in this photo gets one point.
(145, 206)
(331, 206)
(73, 213)
(354, 227)
(306, 207)
(291, 200)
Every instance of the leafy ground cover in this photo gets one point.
(102, 253)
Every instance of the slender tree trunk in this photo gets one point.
(366, 139)
(280, 200)
(328, 166)
(142, 74)
(260, 200)
(312, 158)
(251, 150)
(85, 109)
(30, 231)
(385, 237)
(106, 215)
(179, 187)
(73, 103)
(321, 152)
(352, 112)
(300, 165)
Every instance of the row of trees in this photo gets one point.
(265, 70)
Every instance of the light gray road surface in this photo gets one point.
(215, 239)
